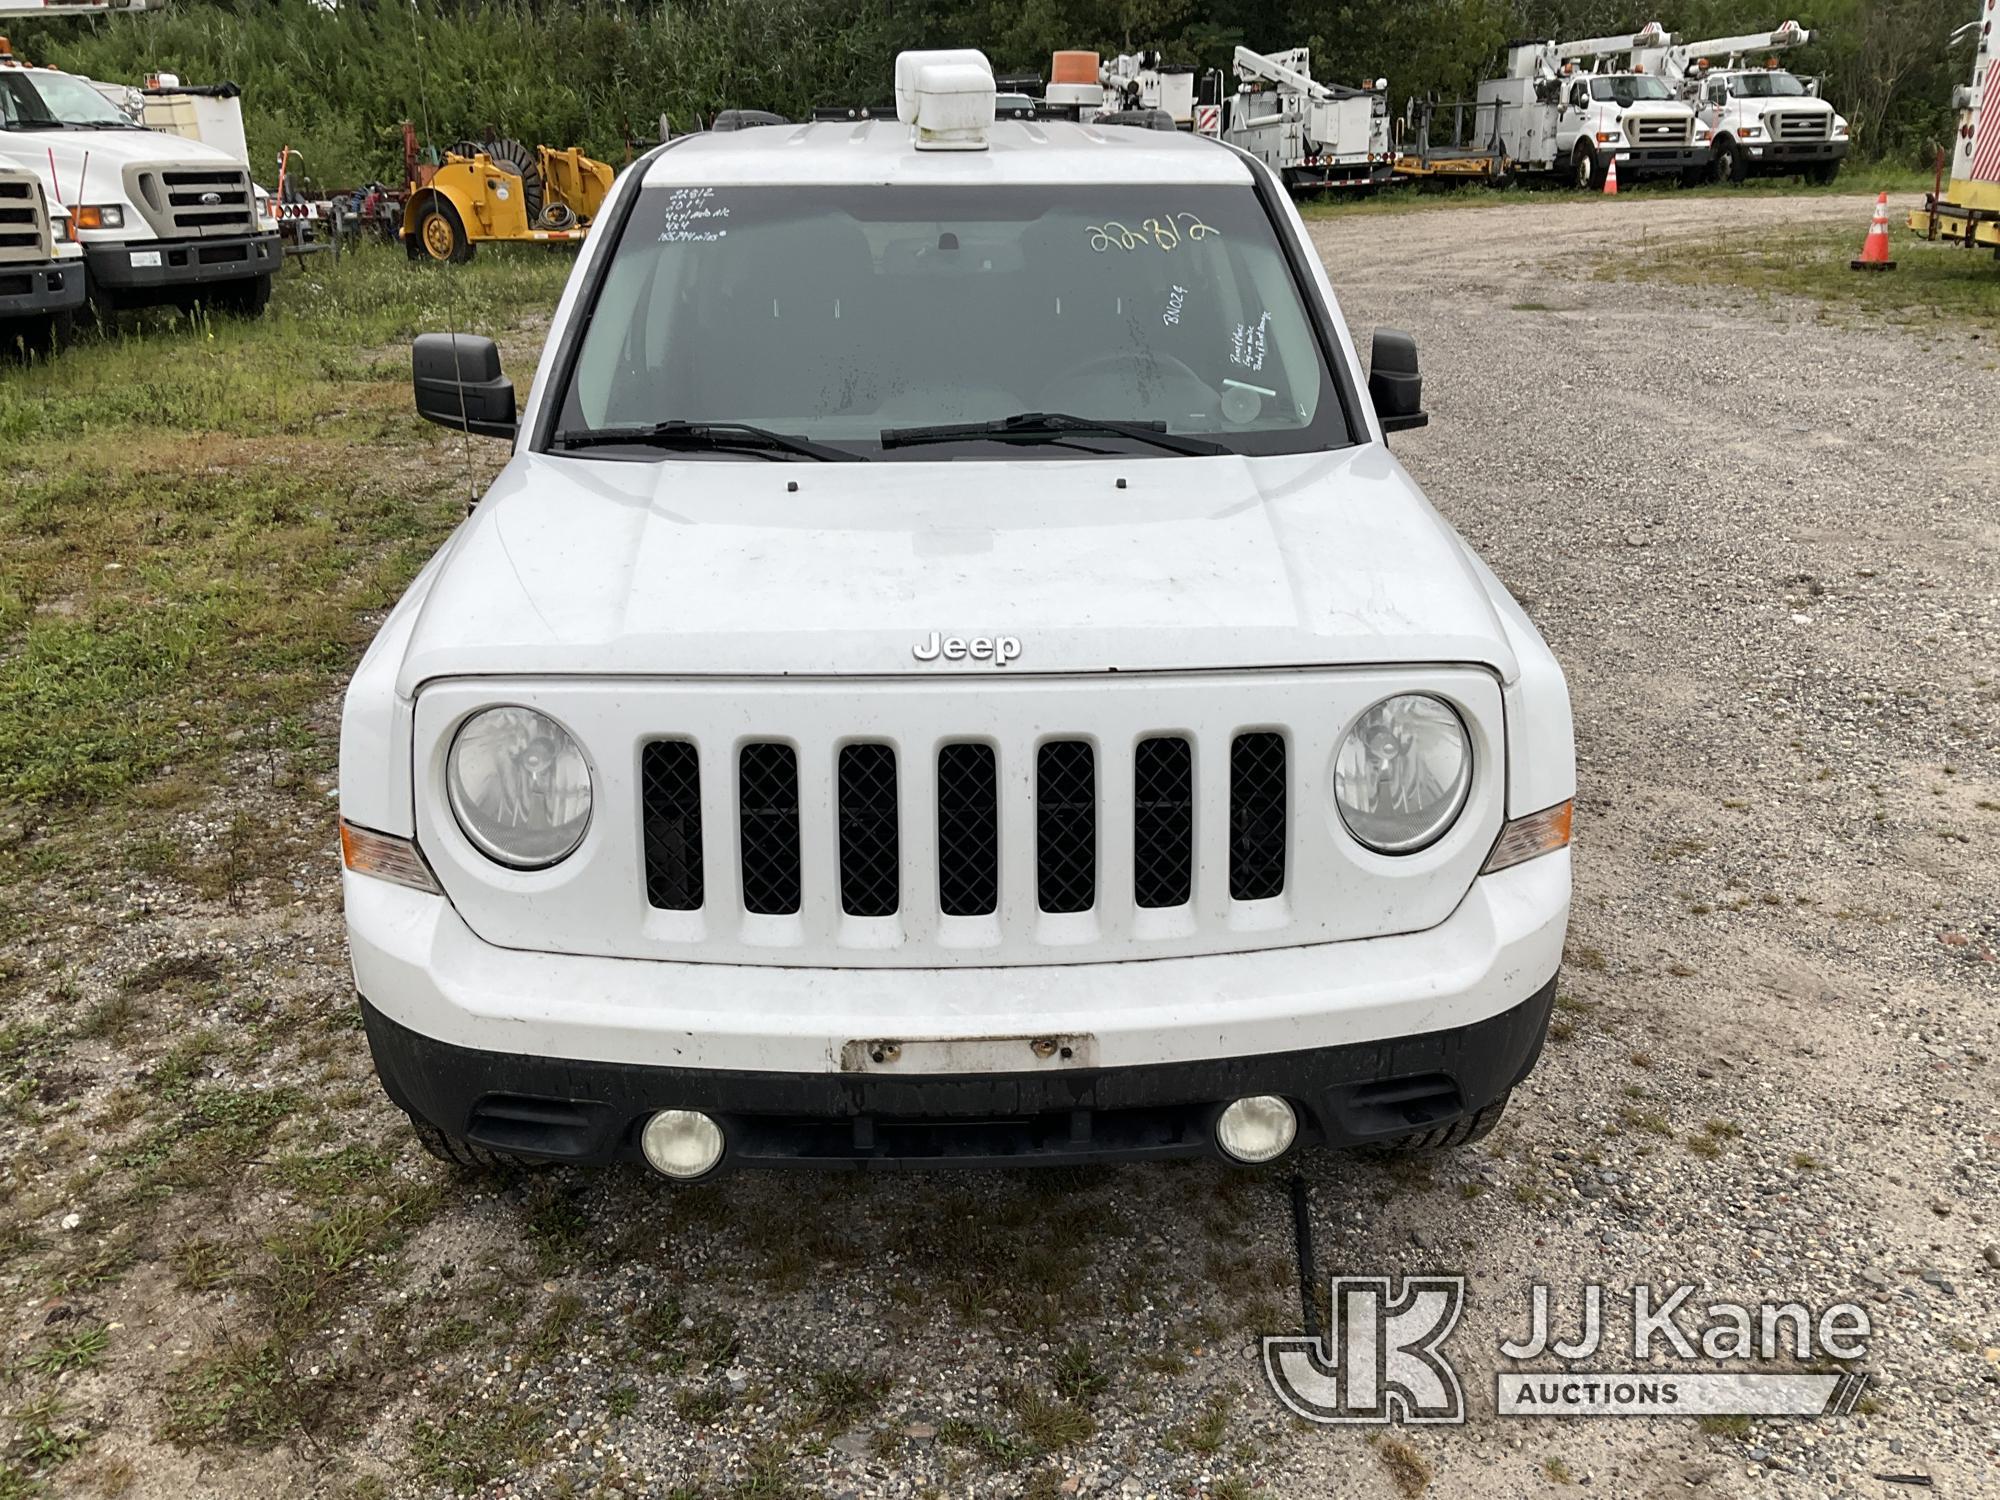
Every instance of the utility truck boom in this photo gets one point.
(1312, 134)
(1760, 118)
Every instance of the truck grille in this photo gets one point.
(1800, 125)
(1660, 130)
(193, 202)
(961, 821)
(24, 222)
(869, 863)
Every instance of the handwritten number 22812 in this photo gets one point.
(1167, 233)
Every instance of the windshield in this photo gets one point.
(44, 101)
(1775, 84)
(1628, 88)
(838, 313)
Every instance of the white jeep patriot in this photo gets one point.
(951, 674)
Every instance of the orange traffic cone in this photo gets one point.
(1611, 178)
(1875, 249)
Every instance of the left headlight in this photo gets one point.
(1403, 773)
(519, 787)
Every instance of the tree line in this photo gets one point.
(335, 78)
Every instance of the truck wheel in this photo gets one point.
(463, 1154)
(245, 299)
(33, 337)
(1583, 168)
(442, 236)
(1460, 1132)
(1729, 163)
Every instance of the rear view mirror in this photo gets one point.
(459, 385)
(1394, 384)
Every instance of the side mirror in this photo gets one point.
(459, 385)
(1394, 384)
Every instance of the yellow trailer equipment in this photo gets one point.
(501, 191)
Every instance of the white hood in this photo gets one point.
(109, 152)
(597, 567)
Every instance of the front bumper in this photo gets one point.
(164, 267)
(1789, 156)
(37, 289)
(563, 1056)
(1643, 161)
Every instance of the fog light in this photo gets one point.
(1257, 1129)
(682, 1143)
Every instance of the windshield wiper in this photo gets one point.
(720, 437)
(1051, 427)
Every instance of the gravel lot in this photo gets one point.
(1762, 542)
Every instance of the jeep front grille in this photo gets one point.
(1257, 817)
(968, 822)
(967, 836)
(870, 846)
(961, 821)
(768, 803)
(1800, 125)
(24, 223)
(1162, 823)
(670, 773)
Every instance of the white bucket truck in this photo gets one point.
(1312, 134)
(1762, 118)
(160, 218)
(41, 267)
(1572, 108)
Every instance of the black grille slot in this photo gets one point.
(968, 852)
(1163, 823)
(870, 862)
(1257, 816)
(768, 780)
(1066, 826)
(670, 799)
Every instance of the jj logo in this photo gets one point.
(997, 649)
(1381, 1361)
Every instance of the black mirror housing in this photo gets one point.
(1394, 383)
(459, 385)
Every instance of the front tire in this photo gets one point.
(244, 299)
(1583, 168)
(457, 1152)
(1460, 1132)
(1730, 164)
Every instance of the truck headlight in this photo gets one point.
(100, 216)
(519, 787)
(1402, 774)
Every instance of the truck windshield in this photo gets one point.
(837, 314)
(1775, 84)
(52, 101)
(1629, 88)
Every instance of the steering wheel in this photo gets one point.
(1166, 387)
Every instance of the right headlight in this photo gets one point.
(519, 787)
(1403, 772)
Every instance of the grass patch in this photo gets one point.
(1933, 285)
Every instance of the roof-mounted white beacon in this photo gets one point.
(947, 96)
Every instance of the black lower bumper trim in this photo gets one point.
(182, 264)
(40, 290)
(564, 1110)
(1641, 160)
